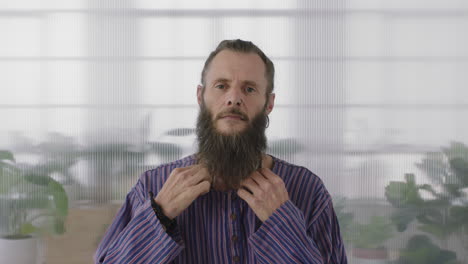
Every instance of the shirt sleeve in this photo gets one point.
(285, 238)
(137, 236)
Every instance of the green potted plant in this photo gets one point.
(443, 211)
(421, 250)
(31, 204)
(368, 240)
(345, 219)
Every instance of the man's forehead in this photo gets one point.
(248, 67)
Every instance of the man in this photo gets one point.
(230, 202)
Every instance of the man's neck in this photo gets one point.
(267, 161)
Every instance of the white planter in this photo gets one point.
(21, 251)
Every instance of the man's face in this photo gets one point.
(235, 91)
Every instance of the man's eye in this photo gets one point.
(250, 90)
(220, 86)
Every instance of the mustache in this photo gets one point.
(233, 111)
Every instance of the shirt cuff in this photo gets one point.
(286, 214)
(175, 236)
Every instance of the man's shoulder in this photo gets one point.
(288, 170)
(299, 178)
(306, 190)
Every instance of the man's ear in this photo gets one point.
(199, 94)
(270, 103)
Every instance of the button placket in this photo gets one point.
(236, 241)
(233, 217)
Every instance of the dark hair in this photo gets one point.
(244, 47)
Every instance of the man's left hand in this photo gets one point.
(267, 193)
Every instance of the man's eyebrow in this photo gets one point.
(224, 80)
(251, 83)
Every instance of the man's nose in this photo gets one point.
(235, 97)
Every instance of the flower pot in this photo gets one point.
(24, 250)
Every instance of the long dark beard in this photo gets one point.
(231, 158)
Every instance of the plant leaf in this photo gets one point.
(6, 155)
(28, 228)
(59, 197)
(460, 168)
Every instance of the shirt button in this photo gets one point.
(233, 217)
(236, 258)
(234, 238)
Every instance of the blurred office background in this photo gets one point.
(371, 95)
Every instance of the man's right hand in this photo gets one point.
(182, 187)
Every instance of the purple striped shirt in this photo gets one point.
(219, 227)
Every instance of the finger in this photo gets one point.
(181, 170)
(176, 174)
(188, 195)
(259, 179)
(201, 175)
(246, 196)
(251, 185)
(197, 190)
(188, 173)
(191, 167)
(267, 173)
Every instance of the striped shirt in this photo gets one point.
(219, 227)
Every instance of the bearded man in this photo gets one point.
(230, 202)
